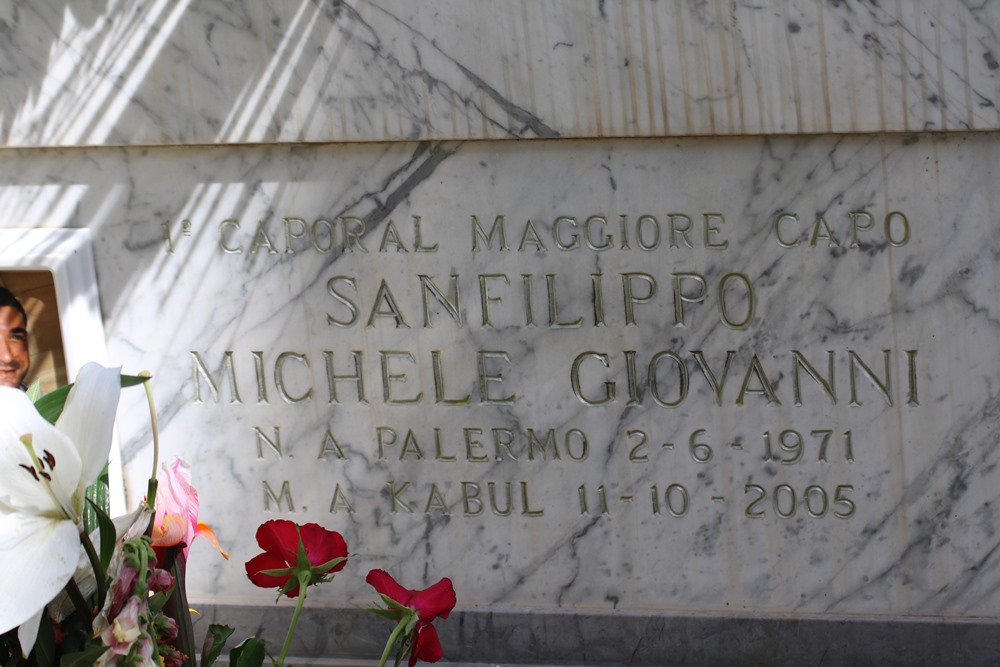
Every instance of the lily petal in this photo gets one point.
(89, 417)
(22, 485)
(41, 555)
(27, 632)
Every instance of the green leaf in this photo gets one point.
(100, 495)
(157, 601)
(280, 572)
(392, 604)
(45, 645)
(177, 606)
(133, 380)
(249, 653)
(85, 658)
(108, 534)
(329, 565)
(215, 641)
(410, 624)
(34, 392)
(392, 615)
(50, 406)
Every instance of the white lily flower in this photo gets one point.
(44, 473)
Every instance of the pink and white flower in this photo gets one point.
(176, 519)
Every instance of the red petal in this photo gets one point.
(426, 645)
(280, 538)
(266, 561)
(383, 582)
(435, 601)
(323, 545)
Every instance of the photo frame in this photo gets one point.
(59, 263)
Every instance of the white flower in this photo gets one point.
(44, 472)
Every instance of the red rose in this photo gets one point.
(293, 554)
(430, 603)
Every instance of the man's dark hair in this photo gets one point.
(8, 299)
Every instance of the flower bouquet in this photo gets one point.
(80, 588)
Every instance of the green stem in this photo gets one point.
(95, 562)
(80, 602)
(303, 583)
(151, 504)
(151, 487)
(176, 606)
(156, 434)
(390, 643)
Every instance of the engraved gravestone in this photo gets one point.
(724, 398)
(750, 374)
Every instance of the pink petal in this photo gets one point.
(169, 530)
(175, 496)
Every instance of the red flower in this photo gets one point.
(433, 602)
(294, 553)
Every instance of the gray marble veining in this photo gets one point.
(705, 373)
(121, 72)
(872, 264)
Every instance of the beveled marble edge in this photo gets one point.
(479, 635)
(219, 73)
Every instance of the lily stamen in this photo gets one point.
(64, 503)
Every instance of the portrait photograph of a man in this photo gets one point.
(31, 348)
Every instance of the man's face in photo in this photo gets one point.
(13, 348)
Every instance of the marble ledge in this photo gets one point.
(490, 636)
(217, 72)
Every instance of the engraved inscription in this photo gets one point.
(544, 421)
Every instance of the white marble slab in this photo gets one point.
(122, 72)
(918, 499)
